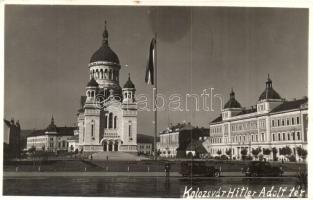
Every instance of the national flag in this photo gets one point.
(149, 79)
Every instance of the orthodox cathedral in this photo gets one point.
(107, 118)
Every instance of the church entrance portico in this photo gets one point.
(111, 145)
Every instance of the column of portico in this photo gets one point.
(108, 145)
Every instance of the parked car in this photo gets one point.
(198, 168)
(261, 168)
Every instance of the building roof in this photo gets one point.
(245, 111)
(141, 138)
(218, 119)
(290, 105)
(285, 106)
(61, 131)
(92, 83)
(74, 137)
(269, 92)
(51, 127)
(196, 145)
(232, 102)
(105, 53)
(178, 127)
(129, 83)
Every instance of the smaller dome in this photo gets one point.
(269, 92)
(129, 83)
(232, 102)
(92, 83)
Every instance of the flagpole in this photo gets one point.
(155, 98)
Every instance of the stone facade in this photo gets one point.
(107, 119)
(273, 123)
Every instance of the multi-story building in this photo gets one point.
(52, 139)
(107, 119)
(175, 139)
(274, 123)
(145, 144)
(11, 139)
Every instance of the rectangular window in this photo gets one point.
(287, 122)
(292, 121)
(298, 120)
(273, 123)
(298, 136)
(92, 130)
(273, 137)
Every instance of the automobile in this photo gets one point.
(262, 168)
(198, 168)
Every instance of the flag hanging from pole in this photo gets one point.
(149, 79)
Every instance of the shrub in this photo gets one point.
(217, 158)
(224, 157)
(292, 158)
(249, 157)
(256, 152)
(266, 151)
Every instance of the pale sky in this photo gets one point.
(47, 50)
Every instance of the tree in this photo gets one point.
(256, 152)
(274, 150)
(228, 152)
(32, 152)
(244, 153)
(219, 152)
(267, 151)
(302, 152)
(286, 151)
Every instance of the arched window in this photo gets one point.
(105, 121)
(278, 136)
(97, 71)
(115, 121)
(110, 74)
(101, 73)
(105, 74)
(88, 93)
(110, 120)
(298, 136)
(113, 74)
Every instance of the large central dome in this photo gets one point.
(105, 53)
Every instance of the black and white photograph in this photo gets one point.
(155, 101)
